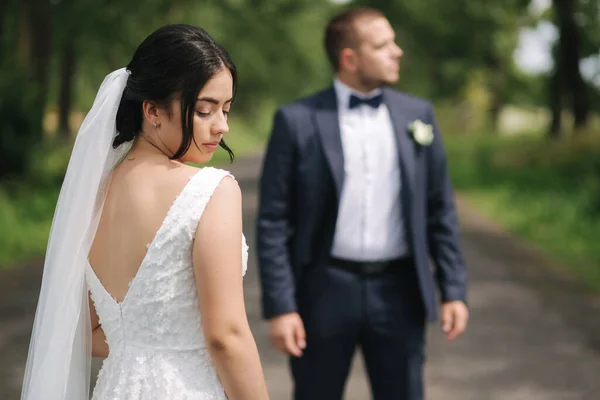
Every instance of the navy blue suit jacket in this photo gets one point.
(301, 182)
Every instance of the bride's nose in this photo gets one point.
(221, 126)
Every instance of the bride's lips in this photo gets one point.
(211, 146)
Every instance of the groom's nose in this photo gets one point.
(397, 52)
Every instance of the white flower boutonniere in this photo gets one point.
(422, 132)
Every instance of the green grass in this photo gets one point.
(27, 204)
(547, 193)
(25, 218)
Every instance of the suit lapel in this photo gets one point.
(406, 145)
(328, 128)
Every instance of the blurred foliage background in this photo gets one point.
(522, 145)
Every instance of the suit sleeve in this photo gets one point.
(443, 232)
(275, 222)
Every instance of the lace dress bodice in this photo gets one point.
(157, 348)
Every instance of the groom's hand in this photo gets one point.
(287, 334)
(455, 316)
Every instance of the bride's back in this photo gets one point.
(154, 328)
(138, 200)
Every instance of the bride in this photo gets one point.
(146, 253)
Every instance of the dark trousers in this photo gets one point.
(381, 313)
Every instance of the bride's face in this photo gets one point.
(210, 118)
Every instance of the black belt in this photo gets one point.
(370, 267)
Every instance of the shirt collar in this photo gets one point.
(344, 91)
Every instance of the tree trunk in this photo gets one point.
(35, 40)
(4, 10)
(556, 95)
(67, 72)
(569, 51)
(496, 84)
(24, 34)
(42, 48)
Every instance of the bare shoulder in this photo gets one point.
(228, 192)
(163, 180)
(182, 173)
(222, 217)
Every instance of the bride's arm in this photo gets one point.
(99, 346)
(218, 269)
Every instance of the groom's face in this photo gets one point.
(377, 55)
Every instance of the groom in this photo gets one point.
(354, 199)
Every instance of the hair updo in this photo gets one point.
(174, 60)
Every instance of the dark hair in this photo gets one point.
(175, 60)
(340, 32)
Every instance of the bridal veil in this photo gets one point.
(59, 359)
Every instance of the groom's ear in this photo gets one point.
(348, 60)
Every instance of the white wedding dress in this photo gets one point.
(157, 347)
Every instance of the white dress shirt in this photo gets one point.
(369, 225)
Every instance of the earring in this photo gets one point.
(155, 125)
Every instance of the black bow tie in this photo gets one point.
(374, 101)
